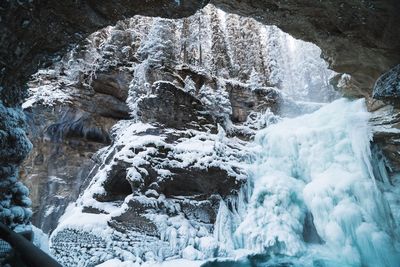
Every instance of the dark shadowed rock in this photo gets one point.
(387, 87)
(114, 83)
(173, 107)
(245, 100)
(64, 141)
(117, 186)
(133, 219)
(199, 183)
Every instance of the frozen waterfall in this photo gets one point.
(313, 194)
(198, 90)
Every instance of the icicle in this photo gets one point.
(224, 228)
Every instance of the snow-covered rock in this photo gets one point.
(387, 87)
(183, 99)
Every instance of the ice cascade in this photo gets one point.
(314, 194)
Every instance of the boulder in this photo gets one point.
(387, 87)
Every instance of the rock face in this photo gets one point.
(183, 111)
(360, 38)
(64, 139)
(67, 129)
(386, 125)
(155, 192)
(387, 87)
(75, 103)
(156, 189)
(173, 107)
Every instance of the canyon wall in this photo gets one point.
(360, 39)
(148, 124)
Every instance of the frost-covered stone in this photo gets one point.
(387, 87)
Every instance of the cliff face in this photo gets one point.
(176, 85)
(191, 98)
(64, 140)
(33, 35)
(360, 38)
(146, 127)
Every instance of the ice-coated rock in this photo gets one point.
(387, 87)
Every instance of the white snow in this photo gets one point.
(170, 263)
(40, 239)
(74, 218)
